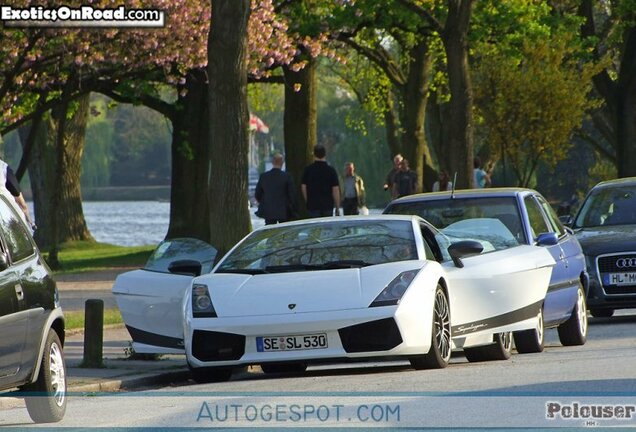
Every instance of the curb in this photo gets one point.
(131, 383)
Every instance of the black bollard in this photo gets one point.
(93, 333)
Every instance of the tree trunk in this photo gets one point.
(392, 127)
(455, 39)
(300, 123)
(55, 176)
(189, 196)
(414, 97)
(229, 120)
(626, 108)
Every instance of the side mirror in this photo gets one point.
(185, 267)
(4, 262)
(463, 249)
(547, 239)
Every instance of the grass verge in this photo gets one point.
(75, 319)
(83, 256)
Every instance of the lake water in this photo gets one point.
(134, 223)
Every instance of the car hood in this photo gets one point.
(299, 292)
(600, 240)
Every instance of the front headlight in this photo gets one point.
(201, 302)
(394, 291)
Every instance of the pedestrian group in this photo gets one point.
(324, 192)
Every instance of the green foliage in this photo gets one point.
(531, 86)
(96, 160)
(141, 147)
(602, 170)
(365, 148)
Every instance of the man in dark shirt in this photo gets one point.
(405, 181)
(275, 194)
(388, 184)
(320, 186)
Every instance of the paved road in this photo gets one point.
(505, 393)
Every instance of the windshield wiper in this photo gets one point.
(292, 268)
(243, 271)
(346, 264)
(330, 265)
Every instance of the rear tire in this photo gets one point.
(274, 368)
(574, 330)
(204, 375)
(500, 349)
(531, 341)
(439, 354)
(49, 405)
(602, 313)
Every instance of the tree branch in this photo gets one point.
(423, 13)
(381, 58)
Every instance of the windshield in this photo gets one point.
(608, 206)
(181, 249)
(320, 246)
(493, 221)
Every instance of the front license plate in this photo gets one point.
(619, 279)
(291, 343)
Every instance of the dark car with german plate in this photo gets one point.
(605, 225)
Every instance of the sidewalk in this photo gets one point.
(119, 372)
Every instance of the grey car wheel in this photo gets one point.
(574, 330)
(48, 403)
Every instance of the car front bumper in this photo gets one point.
(360, 333)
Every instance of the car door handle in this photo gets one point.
(19, 293)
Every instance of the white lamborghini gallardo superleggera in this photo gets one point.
(346, 288)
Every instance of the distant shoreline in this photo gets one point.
(123, 193)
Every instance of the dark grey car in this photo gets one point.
(606, 228)
(31, 321)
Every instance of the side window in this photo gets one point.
(535, 215)
(430, 255)
(17, 238)
(557, 227)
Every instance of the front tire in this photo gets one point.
(439, 354)
(574, 330)
(49, 405)
(204, 375)
(500, 349)
(531, 341)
